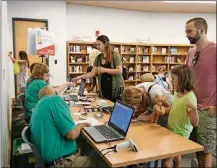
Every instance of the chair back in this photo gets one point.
(26, 136)
(21, 98)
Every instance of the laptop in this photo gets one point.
(117, 127)
(76, 96)
(108, 109)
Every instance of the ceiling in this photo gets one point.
(153, 6)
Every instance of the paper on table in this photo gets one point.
(90, 120)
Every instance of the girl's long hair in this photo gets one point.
(185, 78)
(108, 49)
(23, 56)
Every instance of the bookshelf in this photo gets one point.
(137, 58)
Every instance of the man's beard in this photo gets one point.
(193, 40)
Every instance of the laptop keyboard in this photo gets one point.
(106, 132)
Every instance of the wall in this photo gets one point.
(55, 12)
(126, 26)
(4, 82)
(67, 20)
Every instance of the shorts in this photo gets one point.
(205, 132)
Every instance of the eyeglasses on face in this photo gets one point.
(48, 75)
(195, 59)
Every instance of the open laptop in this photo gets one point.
(76, 96)
(117, 127)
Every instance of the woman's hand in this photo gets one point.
(77, 78)
(70, 84)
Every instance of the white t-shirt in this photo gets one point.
(145, 85)
(156, 90)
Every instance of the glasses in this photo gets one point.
(48, 75)
(195, 59)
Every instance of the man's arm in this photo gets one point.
(75, 132)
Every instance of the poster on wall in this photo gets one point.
(31, 42)
(45, 42)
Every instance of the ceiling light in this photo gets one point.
(206, 2)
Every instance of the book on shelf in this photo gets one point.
(145, 68)
(138, 59)
(172, 67)
(74, 49)
(87, 59)
(72, 59)
(138, 50)
(79, 60)
(153, 68)
(145, 50)
(130, 78)
(164, 50)
(173, 50)
(75, 69)
(132, 59)
(154, 50)
(138, 75)
(145, 59)
(138, 68)
(89, 49)
(116, 49)
(123, 50)
(130, 69)
(132, 50)
(169, 59)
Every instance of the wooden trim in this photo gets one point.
(10, 153)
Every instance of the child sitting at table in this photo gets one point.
(183, 115)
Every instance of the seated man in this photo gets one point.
(53, 132)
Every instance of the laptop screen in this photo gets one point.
(121, 116)
(81, 88)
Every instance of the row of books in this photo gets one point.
(79, 59)
(76, 69)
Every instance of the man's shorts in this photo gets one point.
(206, 131)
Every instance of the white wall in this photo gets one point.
(4, 82)
(55, 12)
(125, 25)
(70, 20)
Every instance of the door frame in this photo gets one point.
(14, 45)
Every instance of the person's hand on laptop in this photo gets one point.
(82, 125)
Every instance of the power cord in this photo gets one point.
(111, 149)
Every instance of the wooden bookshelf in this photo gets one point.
(137, 58)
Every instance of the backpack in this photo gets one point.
(16, 68)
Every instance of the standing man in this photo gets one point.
(202, 60)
